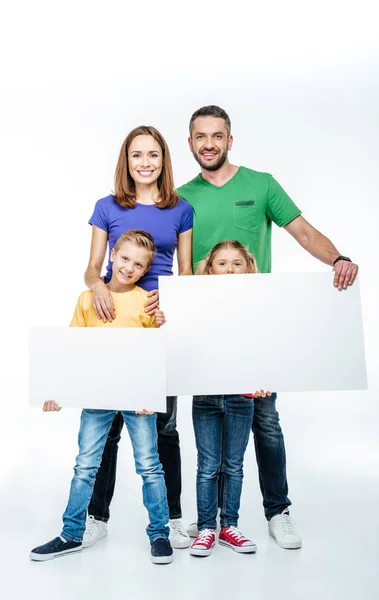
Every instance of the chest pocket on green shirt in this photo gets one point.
(245, 214)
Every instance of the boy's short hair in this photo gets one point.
(140, 238)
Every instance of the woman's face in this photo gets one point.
(228, 261)
(145, 159)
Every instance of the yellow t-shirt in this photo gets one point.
(129, 309)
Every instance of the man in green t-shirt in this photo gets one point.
(232, 202)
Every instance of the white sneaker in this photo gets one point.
(178, 536)
(193, 531)
(94, 531)
(282, 529)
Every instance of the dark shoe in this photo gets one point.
(57, 547)
(161, 551)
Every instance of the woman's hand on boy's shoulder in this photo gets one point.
(51, 406)
(160, 319)
(102, 302)
(152, 304)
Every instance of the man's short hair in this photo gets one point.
(211, 111)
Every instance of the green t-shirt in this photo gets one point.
(242, 209)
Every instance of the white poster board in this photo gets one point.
(234, 334)
(98, 367)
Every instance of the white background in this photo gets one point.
(300, 82)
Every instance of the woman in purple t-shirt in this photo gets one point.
(144, 198)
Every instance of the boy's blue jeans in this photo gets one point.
(94, 428)
(222, 427)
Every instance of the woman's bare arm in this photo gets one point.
(184, 253)
(102, 298)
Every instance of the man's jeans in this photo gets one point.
(222, 427)
(169, 455)
(271, 456)
(94, 429)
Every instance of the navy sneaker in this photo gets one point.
(57, 547)
(161, 551)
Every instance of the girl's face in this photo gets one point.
(228, 261)
(145, 159)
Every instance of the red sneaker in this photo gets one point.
(233, 538)
(204, 543)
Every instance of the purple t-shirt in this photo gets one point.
(164, 224)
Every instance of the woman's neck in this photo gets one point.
(146, 194)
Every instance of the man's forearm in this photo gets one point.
(312, 240)
(321, 247)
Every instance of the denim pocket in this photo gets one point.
(245, 214)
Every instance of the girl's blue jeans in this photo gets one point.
(222, 427)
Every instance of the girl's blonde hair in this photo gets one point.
(205, 265)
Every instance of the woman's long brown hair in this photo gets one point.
(125, 190)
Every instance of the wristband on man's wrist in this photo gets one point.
(340, 257)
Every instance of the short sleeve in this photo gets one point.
(100, 216)
(280, 208)
(187, 217)
(78, 319)
(147, 321)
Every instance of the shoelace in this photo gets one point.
(285, 523)
(178, 527)
(205, 535)
(233, 531)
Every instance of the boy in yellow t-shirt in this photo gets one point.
(132, 257)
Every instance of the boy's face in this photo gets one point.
(130, 263)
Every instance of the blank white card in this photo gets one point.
(230, 334)
(98, 367)
(234, 334)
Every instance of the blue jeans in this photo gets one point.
(271, 456)
(94, 428)
(169, 456)
(222, 427)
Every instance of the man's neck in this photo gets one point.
(221, 176)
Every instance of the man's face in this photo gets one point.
(210, 142)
